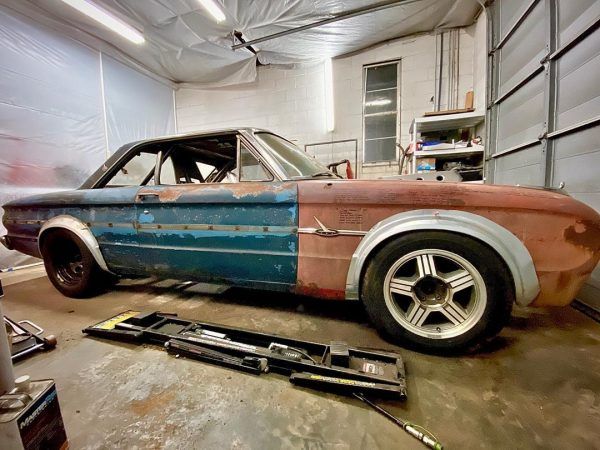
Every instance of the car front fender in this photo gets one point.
(81, 230)
(503, 242)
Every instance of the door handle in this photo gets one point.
(144, 195)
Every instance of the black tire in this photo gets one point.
(497, 283)
(70, 266)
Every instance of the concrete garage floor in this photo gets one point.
(537, 386)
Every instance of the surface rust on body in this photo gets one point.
(313, 290)
(238, 191)
(561, 234)
(165, 194)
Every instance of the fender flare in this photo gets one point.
(503, 242)
(81, 230)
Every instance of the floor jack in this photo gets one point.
(23, 342)
(330, 367)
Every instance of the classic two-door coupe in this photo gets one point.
(437, 265)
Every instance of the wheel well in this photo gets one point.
(47, 232)
(77, 228)
(386, 241)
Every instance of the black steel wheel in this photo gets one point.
(70, 266)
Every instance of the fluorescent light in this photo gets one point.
(106, 19)
(380, 102)
(213, 9)
(329, 111)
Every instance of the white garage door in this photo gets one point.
(544, 100)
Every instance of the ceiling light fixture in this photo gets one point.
(213, 8)
(107, 19)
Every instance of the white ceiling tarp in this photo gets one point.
(185, 45)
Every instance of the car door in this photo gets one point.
(110, 215)
(240, 231)
(109, 210)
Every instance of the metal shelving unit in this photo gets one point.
(446, 122)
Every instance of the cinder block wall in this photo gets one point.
(292, 102)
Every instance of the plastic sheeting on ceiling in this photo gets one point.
(185, 45)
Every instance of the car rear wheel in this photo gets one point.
(70, 266)
(437, 291)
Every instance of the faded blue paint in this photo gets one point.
(258, 259)
(110, 205)
(145, 218)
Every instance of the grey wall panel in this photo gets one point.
(578, 87)
(522, 167)
(574, 16)
(523, 51)
(521, 116)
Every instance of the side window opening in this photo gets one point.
(135, 171)
(250, 167)
(167, 172)
(210, 159)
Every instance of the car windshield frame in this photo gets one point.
(293, 162)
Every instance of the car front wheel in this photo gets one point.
(437, 291)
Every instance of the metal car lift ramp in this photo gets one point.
(333, 367)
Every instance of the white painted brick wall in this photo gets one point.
(292, 102)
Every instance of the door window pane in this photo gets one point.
(250, 168)
(134, 171)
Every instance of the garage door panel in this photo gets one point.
(574, 16)
(579, 168)
(525, 176)
(525, 157)
(521, 115)
(578, 90)
(523, 51)
(521, 167)
(510, 11)
(584, 141)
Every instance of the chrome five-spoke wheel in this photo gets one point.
(435, 293)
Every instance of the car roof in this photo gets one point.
(126, 148)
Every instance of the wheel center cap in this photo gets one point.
(431, 291)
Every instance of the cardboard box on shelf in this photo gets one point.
(425, 164)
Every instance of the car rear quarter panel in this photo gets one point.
(25, 217)
(561, 234)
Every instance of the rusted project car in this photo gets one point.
(437, 265)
